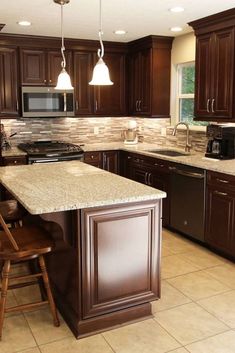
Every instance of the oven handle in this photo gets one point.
(189, 174)
(46, 160)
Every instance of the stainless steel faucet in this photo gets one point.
(188, 145)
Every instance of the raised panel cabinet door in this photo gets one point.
(33, 67)
(203, 76)
(84, 93)
(223, 78)
(120, 257)
(110, 161)
(144, 84)
(8, 82)
(54, 60)
(220, 212)
(110, 100)
(134, 84)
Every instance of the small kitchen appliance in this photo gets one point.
(130, 135)
(221, 141)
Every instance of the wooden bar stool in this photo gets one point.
(21, 244)
(12, 212)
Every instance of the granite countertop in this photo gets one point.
(194, 159)
(72, 185)
(12, 152)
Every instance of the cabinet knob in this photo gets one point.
(15, 162)
(45, 81)
(50, 81)
(92, 157)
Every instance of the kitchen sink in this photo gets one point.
(170, 153)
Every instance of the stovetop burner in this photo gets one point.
(43, 148)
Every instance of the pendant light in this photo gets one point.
(101, 72)
(63, 81)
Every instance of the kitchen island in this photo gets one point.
(105, 269)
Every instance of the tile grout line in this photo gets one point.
(108, 343)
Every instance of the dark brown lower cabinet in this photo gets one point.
(106, 266)
(220, 212)
(107, 160)
(149, 171)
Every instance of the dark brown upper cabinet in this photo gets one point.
(149, 76)
(8, 82)
(41, 66)
(110, 100)
(215, 67)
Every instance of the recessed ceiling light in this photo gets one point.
(24, 23)
(120, 32)
(176, 29)
(177, 9)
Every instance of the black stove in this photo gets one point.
(51, 151)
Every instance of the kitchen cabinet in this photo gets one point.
(149, 76)
(111, 100)
(149, 171)
(84, 93)
(220, 212)
(41, 66)
(14, 160)
(107, 160)
(8, 82)
(215, 67)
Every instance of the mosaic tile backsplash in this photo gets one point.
(95, 130)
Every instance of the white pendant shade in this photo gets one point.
(64, 81)
(101, 74)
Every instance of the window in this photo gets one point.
(185, 94)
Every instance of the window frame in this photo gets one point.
(180, 95)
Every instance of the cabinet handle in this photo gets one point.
(172, 168)
(45, 81)
(220, 193)
(139, 106)
(96, 105)
(222, 181)
(136, 105)
(149, 179)
(76, 105)
(129, 157)
(207, 106)
(146, 178)
(212, 105)
(104, 161)
(17, 105)
(50, 81)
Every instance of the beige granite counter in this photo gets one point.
(12, 152)
(194, 159)
(72, 185)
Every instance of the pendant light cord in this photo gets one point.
(63, 62)
(100, 51)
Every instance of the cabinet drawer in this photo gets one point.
(92, 157)
(7, 161)
(219, 180)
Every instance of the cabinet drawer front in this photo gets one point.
(92, 157)
(220, 180)
(7, 161)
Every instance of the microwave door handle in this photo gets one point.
(65, 102)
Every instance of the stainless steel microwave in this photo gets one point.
(46, 102)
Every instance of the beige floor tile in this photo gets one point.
(16, 335)
(189, 323)
(222, 343)
(28, 294)
(36, 350)
(222, 306)
(93, 344)
(198, 285)
(179, 350)
(11, 301)
(177, 244)
(203, 258)
(142, 337)
(224, 274)
(166, 251)
(175, 265)
(170, 297)
(41, 324)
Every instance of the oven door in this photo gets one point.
(46, 102)
(51, 159)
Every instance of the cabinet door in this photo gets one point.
(94, 158)
(84, 93)
(203, 99)
(8, 82)
(110, 100)
(33, 67)
(223, 78)
(110, 161)
(134, 73)
(54, 60)
(220, 212)
(144, 84)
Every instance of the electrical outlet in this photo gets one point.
(96, 130)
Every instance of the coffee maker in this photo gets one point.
(130, 135)
(221, 141)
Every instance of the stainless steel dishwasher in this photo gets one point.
(188, 200)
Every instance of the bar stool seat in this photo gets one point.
(21, 244)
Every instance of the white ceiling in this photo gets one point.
(138, 17)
